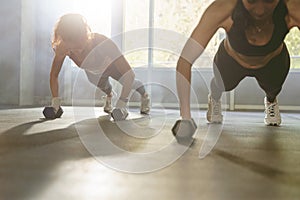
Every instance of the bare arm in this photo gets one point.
(56, 67)
(60, 54)
(213, 18)
(294, 14)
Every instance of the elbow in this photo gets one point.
(179, 64)
(183, 65)
(53, 77)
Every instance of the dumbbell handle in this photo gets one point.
(191, 120)
(55, 103)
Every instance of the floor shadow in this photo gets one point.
(104, 137)
(14, 139)
(271, 173)
(38, 155)
(28, 161)
(266, 142)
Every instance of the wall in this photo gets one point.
(10, 31)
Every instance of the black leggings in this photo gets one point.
(228, 73)
(103, 83)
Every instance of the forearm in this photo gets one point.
(55, 103)
(190, 53)
(54, 86)
(54, 73)
(183, 82)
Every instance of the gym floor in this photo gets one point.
(61, 159)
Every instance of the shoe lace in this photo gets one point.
(216, 108)
(271, 109)
(107, 100)
(145, 102)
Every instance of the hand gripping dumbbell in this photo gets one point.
(50, 112)
(183, 130)
(53, 111)
(120, 112)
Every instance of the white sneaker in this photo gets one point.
(214, 112)
(108, 106)
(145, 104)
(272, 113)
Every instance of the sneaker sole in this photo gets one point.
(272, 123)
(215, 122)
(214, 119)
(107, 111)
(145, 112)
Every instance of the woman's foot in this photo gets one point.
(272, 113)
(214, 112)
(108, 105)
(145, 104)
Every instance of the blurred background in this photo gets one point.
(138, 27)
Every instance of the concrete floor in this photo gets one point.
(67, 158)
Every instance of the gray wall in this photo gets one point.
(25, 50)
(10, 23)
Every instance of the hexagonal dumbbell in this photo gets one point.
(49, 112)
(183, 130)
(119, 114)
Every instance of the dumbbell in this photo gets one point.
(49, 112)
(183, 130)
(119, 114)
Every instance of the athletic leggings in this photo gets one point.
(102, 82)
(228, 73)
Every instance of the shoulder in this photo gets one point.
(221, 9)
(102, 44)
(98, 38)
(104, 41)
(219, 12)
(293, 7)
(291, 3)
(225, 3)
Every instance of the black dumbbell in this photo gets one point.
(49, 112)
(119, 114)
(183, 130)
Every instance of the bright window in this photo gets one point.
(293, 44)
(97, 14)
(136, 37)
(180, 17)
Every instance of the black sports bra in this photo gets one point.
(237, 36)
